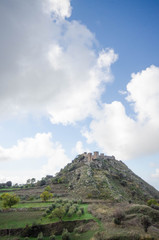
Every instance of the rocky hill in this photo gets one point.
(103, 177)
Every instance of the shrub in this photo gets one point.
(146, 222)
(72, 209)
(80, 201)
(66, 208)
(59, 213)
(151, 201)
(48, 211)
(40, 236)
(75, 207)
(79, 213)
(65, 235)
(70, 213)
(124, 183)
(89, 195)
(82, 210)
(156, 207)
(48, 188)
(52, 237)
(119, 216)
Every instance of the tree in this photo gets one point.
(48, 188)
(28, 181)
(59, 213)
(46, 196)
(42, 182)
(33, 180)
(9, 184)
(8, 200)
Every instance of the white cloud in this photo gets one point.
(40, 153)
(44, 68)
(143, 92)
(156, 174)
(79, 148)
(117, 133)
(60, 8)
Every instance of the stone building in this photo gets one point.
(90, 157)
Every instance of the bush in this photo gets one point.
(89, 195)
(52, 237)
(70, 213)
(65, 235)
(151, 201)
(124, 183)
(40, 236)
(79, 213)
(82, 210)
(48, 188)
(156, 207)
(119, 216)
(146, 222)
(80, 201)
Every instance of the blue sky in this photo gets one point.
(78, 76)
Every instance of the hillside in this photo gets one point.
(104, 177)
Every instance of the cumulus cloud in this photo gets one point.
(39, 153)
(124, 136)
(143, 92)
(47, 66)
(61, 9)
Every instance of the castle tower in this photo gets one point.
(89, 155)
(96, 155)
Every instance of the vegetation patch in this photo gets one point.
(10, 220)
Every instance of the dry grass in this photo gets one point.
(130, 226)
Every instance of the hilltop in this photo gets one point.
(103, 177)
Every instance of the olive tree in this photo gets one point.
(46, 196)
(8, 200)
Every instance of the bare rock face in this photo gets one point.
(104, 177)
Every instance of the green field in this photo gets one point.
(21, 218)
(30, 205)
(26, 213)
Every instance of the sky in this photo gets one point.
(76, 76)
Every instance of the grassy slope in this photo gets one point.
(20, 219)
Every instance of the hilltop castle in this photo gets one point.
(90, 157)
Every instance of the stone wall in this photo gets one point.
(96, 155)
